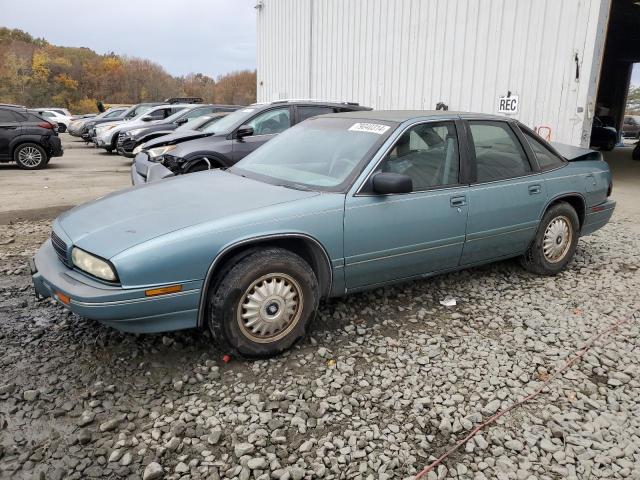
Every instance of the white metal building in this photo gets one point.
(468, 54)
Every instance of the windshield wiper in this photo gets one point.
(294, 186)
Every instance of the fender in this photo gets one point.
(210, 156)
(247, 242)
(562, 195)
(42, 140)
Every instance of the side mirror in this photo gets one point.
(386, 183)
(181, 121)
(244, 131)
(148, 118)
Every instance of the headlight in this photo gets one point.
(159, 151)
(93, 265)
(135, 131)
(110, 127)
(137, 150)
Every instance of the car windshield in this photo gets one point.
(176, 115)
(197, 123)
(142, 113)
(231, 121)
(319, 154)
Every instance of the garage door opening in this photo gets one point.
(621, 52)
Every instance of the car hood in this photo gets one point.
(121, 220)
(190, 145)
(174, 138)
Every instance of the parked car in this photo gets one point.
(190, 130)
(26, 138)
(106, 135)
(602, 136)
(129, 139)
(61, 111)
(88, 130)
(77, 126)
(631, 126)
(62, 121)
(230, 139)
(340, 203)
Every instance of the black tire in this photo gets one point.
(259, 268)
(62, 128)
(610, 145)
(27, 162)
(535, 259)
(199, 166)
(635, 154)
(108, 149)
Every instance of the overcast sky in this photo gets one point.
(635, 76)
(208, 36)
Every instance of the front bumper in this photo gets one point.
(125, 146)
(144, 171)
(126, 309)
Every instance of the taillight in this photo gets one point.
(610, 189)
(46, 125)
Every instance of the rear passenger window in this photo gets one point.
(499, 154)
(545, 157)
(428, 153)
(312, 111)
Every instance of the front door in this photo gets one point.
(266, 125)
(507, 198)
(10, 127)
(391, 237)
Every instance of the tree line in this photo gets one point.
(35, 73)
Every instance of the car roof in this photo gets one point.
(311, 101)
(400, 116)
(11, 106)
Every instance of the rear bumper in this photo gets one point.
(55, 147)
(128, 310)
(597, 217)
(144, 171)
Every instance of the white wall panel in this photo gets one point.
(412, 54)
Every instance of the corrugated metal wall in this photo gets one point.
(401, 54)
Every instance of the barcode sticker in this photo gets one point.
(369, 128)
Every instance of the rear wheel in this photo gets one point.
(30, 156)
(263, 304)
(555, 242)
(610, 145)
(62, 128)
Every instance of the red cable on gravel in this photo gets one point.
(578, 355)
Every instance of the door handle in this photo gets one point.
(534, 189)
(458, 201)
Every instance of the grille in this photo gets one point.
(60, 247)
(120, 139)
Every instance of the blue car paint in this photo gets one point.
(171, 232)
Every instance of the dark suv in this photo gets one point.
(128, 140)
(26, 138)
(229, 139)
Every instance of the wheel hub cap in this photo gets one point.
(270, 308)
(557, 239)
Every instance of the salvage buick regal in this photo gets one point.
(339, 203)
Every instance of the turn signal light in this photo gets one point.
(154, 292)
(63, 298)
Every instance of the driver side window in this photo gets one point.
(428, 153)
(271, 122)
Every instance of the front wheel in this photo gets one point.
(555, 242)
(263, 304)
(30, 156)
(62, 128)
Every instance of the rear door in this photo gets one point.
(266, 125)
(507, 197)
(10, 128)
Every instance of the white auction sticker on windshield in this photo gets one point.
(369, 128)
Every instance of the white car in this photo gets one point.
(63, 121)
(107, 133)
(61, 111)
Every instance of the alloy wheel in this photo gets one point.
(30, 157)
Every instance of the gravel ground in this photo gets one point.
(388, 381)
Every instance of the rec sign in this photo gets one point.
(509, 104)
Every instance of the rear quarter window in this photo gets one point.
(545, 157)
